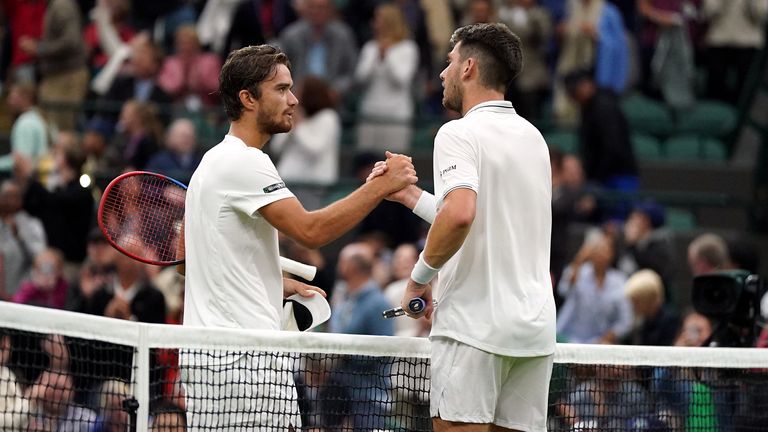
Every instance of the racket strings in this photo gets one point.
(142, 215)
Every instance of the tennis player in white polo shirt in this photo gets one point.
(493, 331)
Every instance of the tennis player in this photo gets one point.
(235, 205)
(493, 330)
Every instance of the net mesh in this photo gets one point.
(142, 215)
(70, 372)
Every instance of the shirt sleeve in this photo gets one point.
(254, 183)
(456, 160)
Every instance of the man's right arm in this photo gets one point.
(316, 228)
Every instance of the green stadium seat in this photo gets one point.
(707, 118)
(647, 116)
(565, 141)
(714, 150)
(646, 147)
(424, 135)
(678, 219)
(682, 147)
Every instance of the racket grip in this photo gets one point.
(301, 270)
(415, 305)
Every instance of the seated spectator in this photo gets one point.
(168, 417)
(707, 253)
(403, 260)
(181, 155)
(52, 403)
(47, 286)
(139, 134)
(595, 309)
(22, 237)
(645, 245)
(97, 268)
(112, 417)
(14, 407)
(658, 323)
(101, 160)
(29, 133)
(190, 76)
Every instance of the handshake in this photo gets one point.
(398, 176)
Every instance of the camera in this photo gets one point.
(731, 300)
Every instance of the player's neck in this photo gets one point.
(478, 95)
(247, 130)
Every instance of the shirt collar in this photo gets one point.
(499, 106)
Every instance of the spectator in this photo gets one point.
(533, 25)
(29, 134)
(595, 309)
(139, 134)
(735, 34)
(361, 380)
(52, 401)
(658, 323)
(647, 246)
(96, 270)
(47, 286)
(592, 37)
(385, 70)
(27, 20)
(119, 14)
(309, 153)
(707, 253)
(66, 211)
(112, 417)
(480, 11)
(255, 22)
(181, 155)
(14, 407)
(168, 417)
(320, 44)
(61, 57)
(190, 76)
(22, 237)
(606, 150)
(403, 260)
(101, 160)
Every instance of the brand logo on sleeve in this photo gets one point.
(274, 187)
(447, 170)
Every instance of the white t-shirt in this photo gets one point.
(495, 293)
(233, 277)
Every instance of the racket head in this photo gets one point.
(141, 214)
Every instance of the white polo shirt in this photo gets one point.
(233, 277)
(495, 293)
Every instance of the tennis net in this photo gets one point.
(70, 372)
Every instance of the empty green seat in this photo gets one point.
(646, 147)
(682, 147)
(679, 219)
(714, 150)
(565, 141)
(707, 118)
(647, 116)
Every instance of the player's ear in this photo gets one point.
(247, 99)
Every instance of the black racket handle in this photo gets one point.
(415, 305)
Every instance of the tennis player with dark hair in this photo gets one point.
(235, 205)
(493, 330)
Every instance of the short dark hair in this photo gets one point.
(245, 69)
(497, 49)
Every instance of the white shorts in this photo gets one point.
(473, 386)
(253, 392)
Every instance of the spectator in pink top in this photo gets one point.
(47, 286)
(190, 76)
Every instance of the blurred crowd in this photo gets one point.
(95, 88)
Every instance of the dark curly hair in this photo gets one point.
(497, 50)
(245, 69)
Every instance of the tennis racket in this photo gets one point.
(141, 214)
(415, 305)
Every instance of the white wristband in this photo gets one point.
(422, 272)
(426, 207)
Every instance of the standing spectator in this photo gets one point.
(595, 309)
(190, 75)
(61, 57)
(22, 237)
(533, 25)
(658, 323)
(139, 136)
(386, 69)
(707, 253)
(181, 155)
(735, 34)
(47, 286)
(592, 37)
(645, 245)
(119, 13)
(321, 44)
(255, 22)
(25, 20)
(606, 149)
(29, 134)
(309, 153)
(67, 211)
